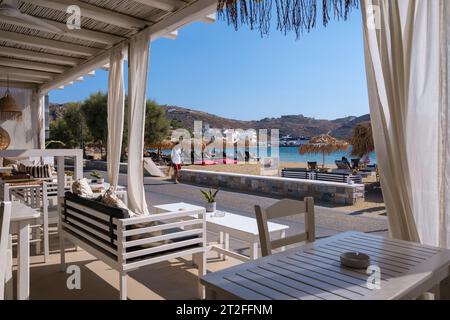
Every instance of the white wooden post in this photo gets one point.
(121, 251)
(61, 182)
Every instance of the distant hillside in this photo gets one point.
(296, 125)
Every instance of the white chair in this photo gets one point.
(50, 216)
(5, 248)
(282, 209)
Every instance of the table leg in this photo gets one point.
(254, 250)
(23, 279)
(283, 235)
(444, 287)
(9, 290)
(226, 244)
(221, 243)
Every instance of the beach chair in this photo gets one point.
(355, 163)
(151, 168)
(312, 165)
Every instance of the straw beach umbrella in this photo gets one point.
(324, 144)
(362, 140)
(291, 15)
(165, 144)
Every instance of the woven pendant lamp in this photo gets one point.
(5, 139)
(9, 110)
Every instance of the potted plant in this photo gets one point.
(98, 177)
(210, 197)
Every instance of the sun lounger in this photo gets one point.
(312, 165)
(151, 168)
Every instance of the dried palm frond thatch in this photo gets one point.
(292, 15)
(362, 139)
(324, 144)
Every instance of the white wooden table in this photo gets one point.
(22, 217)
(313, 272)
(238, 226)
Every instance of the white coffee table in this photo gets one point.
(238, 226)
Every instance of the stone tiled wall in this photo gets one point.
(332, 192)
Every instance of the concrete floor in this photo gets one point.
(172, 280)
(175, 279)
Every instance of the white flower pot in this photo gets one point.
(211, 207)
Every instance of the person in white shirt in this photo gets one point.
(177, 160)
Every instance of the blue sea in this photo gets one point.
(291, 154)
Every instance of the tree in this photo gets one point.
(95, 111)
(59, 131)
(156, 124)
(76, 123)
(70, 129)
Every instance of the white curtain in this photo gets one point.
(116, 105)
(138, 59)
(406, 65)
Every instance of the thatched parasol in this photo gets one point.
(324, 144)
(292, 15)
(362, 139)
(165, 144)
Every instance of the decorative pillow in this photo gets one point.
(9, 162)
(110, 198)
(43, 171)
(82, 188)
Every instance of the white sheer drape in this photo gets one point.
(116, 105)
(406, 65)
(138, 59)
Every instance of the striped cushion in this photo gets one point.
(43, 171)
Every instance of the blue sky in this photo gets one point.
(213, 68)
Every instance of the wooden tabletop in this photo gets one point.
(20, 211)
(314, 272)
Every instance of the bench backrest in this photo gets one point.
(126, 239)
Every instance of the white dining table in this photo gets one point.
(22, 216)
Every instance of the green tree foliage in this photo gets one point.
(71, 129)
(90, 121)
(156, 124)
(95, 111)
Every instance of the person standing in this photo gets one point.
(176, 161)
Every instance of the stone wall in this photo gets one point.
(340, 193)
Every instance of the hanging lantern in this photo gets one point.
(9, 110)
(5, 139)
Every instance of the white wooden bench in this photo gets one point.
(125, 243)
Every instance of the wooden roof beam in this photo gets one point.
(42, 43)
(39, 56)
(93, 12)
(82, 34)
(166, 5)
(8, 62)
(18, 84)
(27, 73)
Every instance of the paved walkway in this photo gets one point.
(329, 221)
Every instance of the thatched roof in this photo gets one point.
(325, 144)
(362, 139)
(165, 144)
(292, 15)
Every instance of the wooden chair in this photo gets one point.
(281, 209)
(5, 247)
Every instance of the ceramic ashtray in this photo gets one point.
(355, 260)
